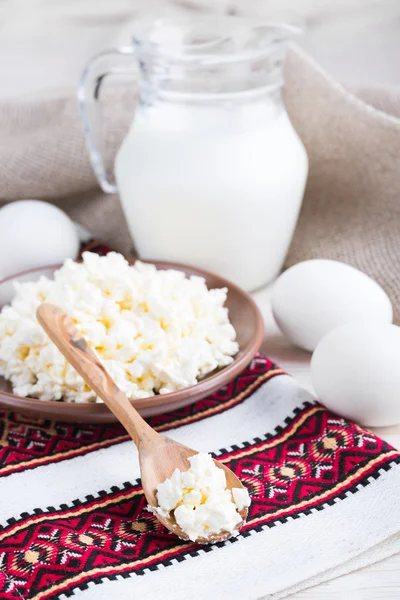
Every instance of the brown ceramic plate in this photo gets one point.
(244, 316)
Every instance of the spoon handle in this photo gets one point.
(62, 331)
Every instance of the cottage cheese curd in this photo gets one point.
(199, 501)
(154, 331)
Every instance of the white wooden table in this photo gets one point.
(380, 580)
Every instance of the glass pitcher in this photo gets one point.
(211, 172)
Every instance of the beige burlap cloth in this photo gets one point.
(351, 209)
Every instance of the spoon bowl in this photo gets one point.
(158, 461)
(159, 456)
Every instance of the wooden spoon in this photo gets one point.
(159, 456)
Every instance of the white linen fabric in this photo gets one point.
(303, 527)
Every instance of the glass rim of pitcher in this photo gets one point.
(285, 27)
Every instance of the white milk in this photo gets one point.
(216, 187)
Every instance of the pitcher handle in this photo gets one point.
(118, 60)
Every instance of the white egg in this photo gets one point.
(355, 372)
(315, 296)
(33, 234)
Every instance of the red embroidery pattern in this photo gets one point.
(26, 443)
(314, 460)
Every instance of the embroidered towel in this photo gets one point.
(325, 500)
